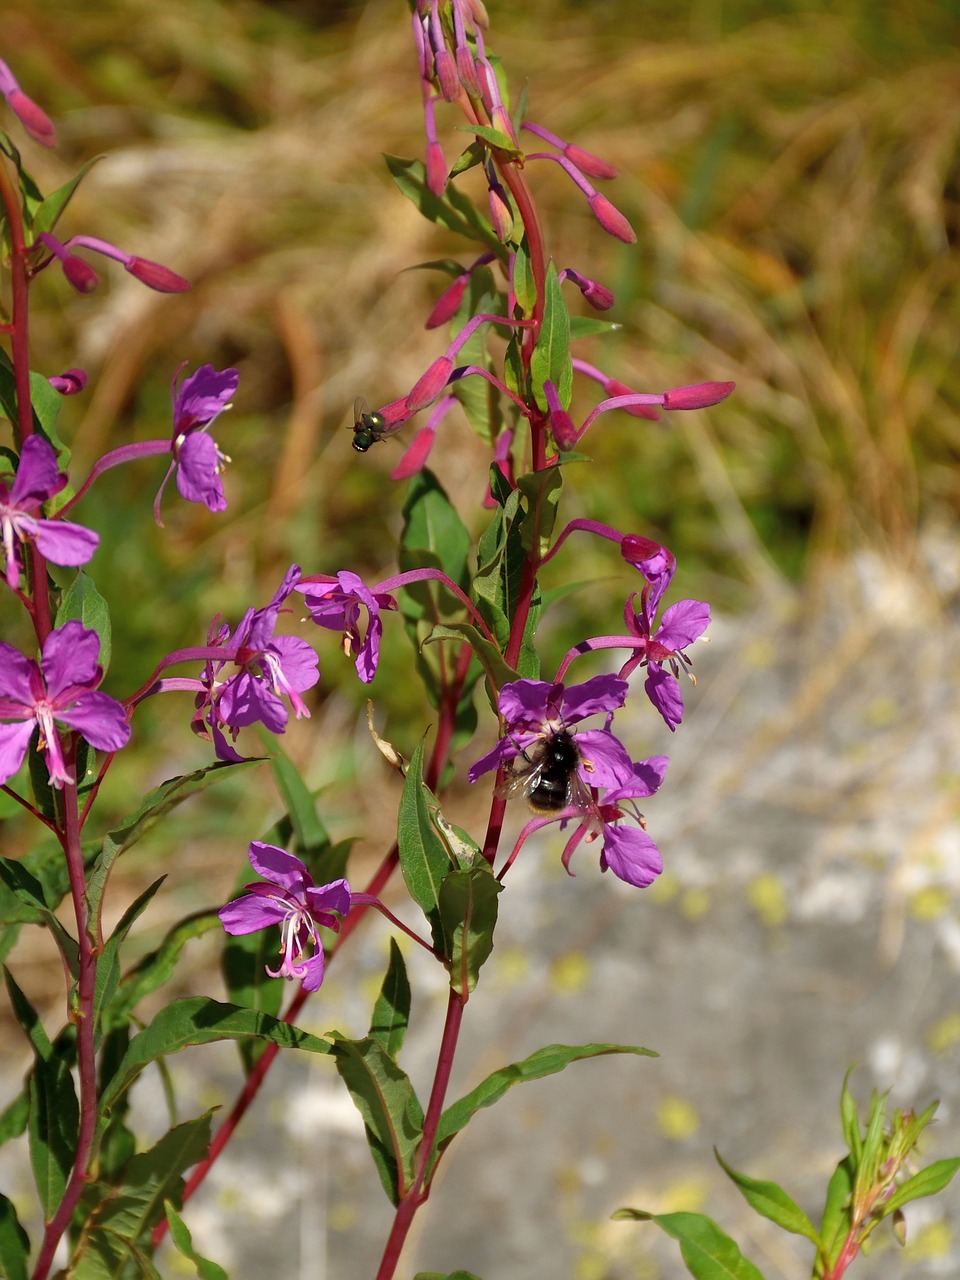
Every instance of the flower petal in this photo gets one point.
(100, 718)
(683, 623)
(280, 867)
(14, 740)
(70, 657)
(631, 854)
(251, 912)
(663, 690)
(198, 478)
(600, 693)
(604, 759)
(63, 542)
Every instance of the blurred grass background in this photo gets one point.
(791, 169)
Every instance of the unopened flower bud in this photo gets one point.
(467, 70)
(33, 118)
(429, 386)
(446, 72)
(79, 273)
(562, 426)
(501, 215)
(448, 304)
(699, 396)
(899, 1223)
(156, 276)
(436, 169)
(69, 383)
(589, 163)
(415, 457)
(611, 219)
(598, 295)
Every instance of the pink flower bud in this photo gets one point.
(415, 457)
(699, 396)
(70, 382)
(79, 273)
(446, 71)
(467, 70)
(501, 215)
(33, 118)
(611, 219)
(436, 169)
(156, 276)
(562, 426)
(447, 305)
(429, 386)
(395, 413)
(589, 163)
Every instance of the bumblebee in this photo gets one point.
(368, 427)
(546, 774)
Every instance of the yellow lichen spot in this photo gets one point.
(930, 902)
(944, 1033)
(591, 1266)
(766, 896)
(343, 1216)
(570, 972)
(686, 1195)
(932, 1240)
(695, 903)
(677, 1119)
(514, 966)
(882, 712)
(664, 889)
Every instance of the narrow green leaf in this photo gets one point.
(524, 288)
(454, 210)
(491, 659)
(391, 1013)
(589, 326)
(309, 830)
(82, 602)
(496, 138)
(156, 805)
(709, 1253)
(13, 1118)
(46, 404)
(542, 490)
(925, 1183)
(150, 973)
(183, 1243)
(52, 1126)
(14, 1243)
(849, 1118)
(551, 356)
(468, 916)
(545, 1062)
(423, 857)
(772, 1202)
(49, 211)
(386, 1100)
(835, 1222)
(197, 1020)
(108, 963)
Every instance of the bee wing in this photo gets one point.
(521, 779)
(579, 795)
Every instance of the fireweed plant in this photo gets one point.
(472, 613)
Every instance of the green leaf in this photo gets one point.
(150, 973)
(14, 1243)
(183, 1242)
(13, 1117)
(197, 1020)
(588, 326)
(491, 659)
(545, 1062)
(453, 210)
(445, 1275)
(468, 917)
(524, 287)
(551, 356)
(386, 1100)
(310, 832)
(423, 856)
(82, 602)
(49, 211)
(835, 1222)
(925, 1183)
(849, 1118)
(156, 805)
(108, 963)
(771, 1201)
(709, 1253)
(46, 404)
(496, 138)
(431, 523)
(391, 1013)
(542, 491)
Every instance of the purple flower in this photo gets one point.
(197, 460)
(627, 851)
(60, 688)
(660, 651)
(535, 711)
(287, 896)
(38, 478)
(335, 603)
(268, 666)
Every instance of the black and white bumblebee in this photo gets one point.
(546, 774)
(368, 427)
